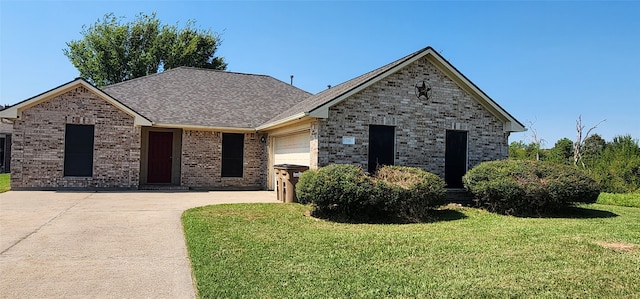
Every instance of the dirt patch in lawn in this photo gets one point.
(619, 246)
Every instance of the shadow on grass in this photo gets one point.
(432, 216)
(575, 213)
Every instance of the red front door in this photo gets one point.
(159, 157)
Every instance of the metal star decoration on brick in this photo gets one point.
(423, 89)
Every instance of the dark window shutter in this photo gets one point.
(232, 154)
(78, 150)
(7, 154)
(2, 155)
(381, 146)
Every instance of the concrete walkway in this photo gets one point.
(100, 245)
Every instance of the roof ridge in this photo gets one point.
(216, 70)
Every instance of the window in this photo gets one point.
(232, 153)
(78, 150)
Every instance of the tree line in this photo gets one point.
(614, 164)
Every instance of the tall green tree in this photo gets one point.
(113, 51)
(618, 168)
(562, 152)
(518, 150)
(592, 149)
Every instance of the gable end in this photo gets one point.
(15, 112)
(510, 123)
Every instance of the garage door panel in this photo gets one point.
(292, 149)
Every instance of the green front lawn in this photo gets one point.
(275, 251)
(4, 182)
(616, 199)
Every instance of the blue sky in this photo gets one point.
(545, 62)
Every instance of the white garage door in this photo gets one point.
(292, 149)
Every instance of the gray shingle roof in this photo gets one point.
(203, 97)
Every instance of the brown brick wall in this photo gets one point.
(38, 144)
(420, 124)
(202, 162)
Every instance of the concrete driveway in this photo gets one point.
(100, 244)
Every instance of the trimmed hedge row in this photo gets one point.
(395, 191)
(519, 187)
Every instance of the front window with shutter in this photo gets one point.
(78, 150)
(232, 154)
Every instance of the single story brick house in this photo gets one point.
(206, 129)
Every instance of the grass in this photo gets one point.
(275, 251)
(623, 200)
(4, 182)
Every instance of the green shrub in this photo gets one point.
(567, 184)
(308, 186)
(407, 192)
(341, 189)
(528, 187)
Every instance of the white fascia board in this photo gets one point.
(9, 113)
(513, 127)
(321, 112)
